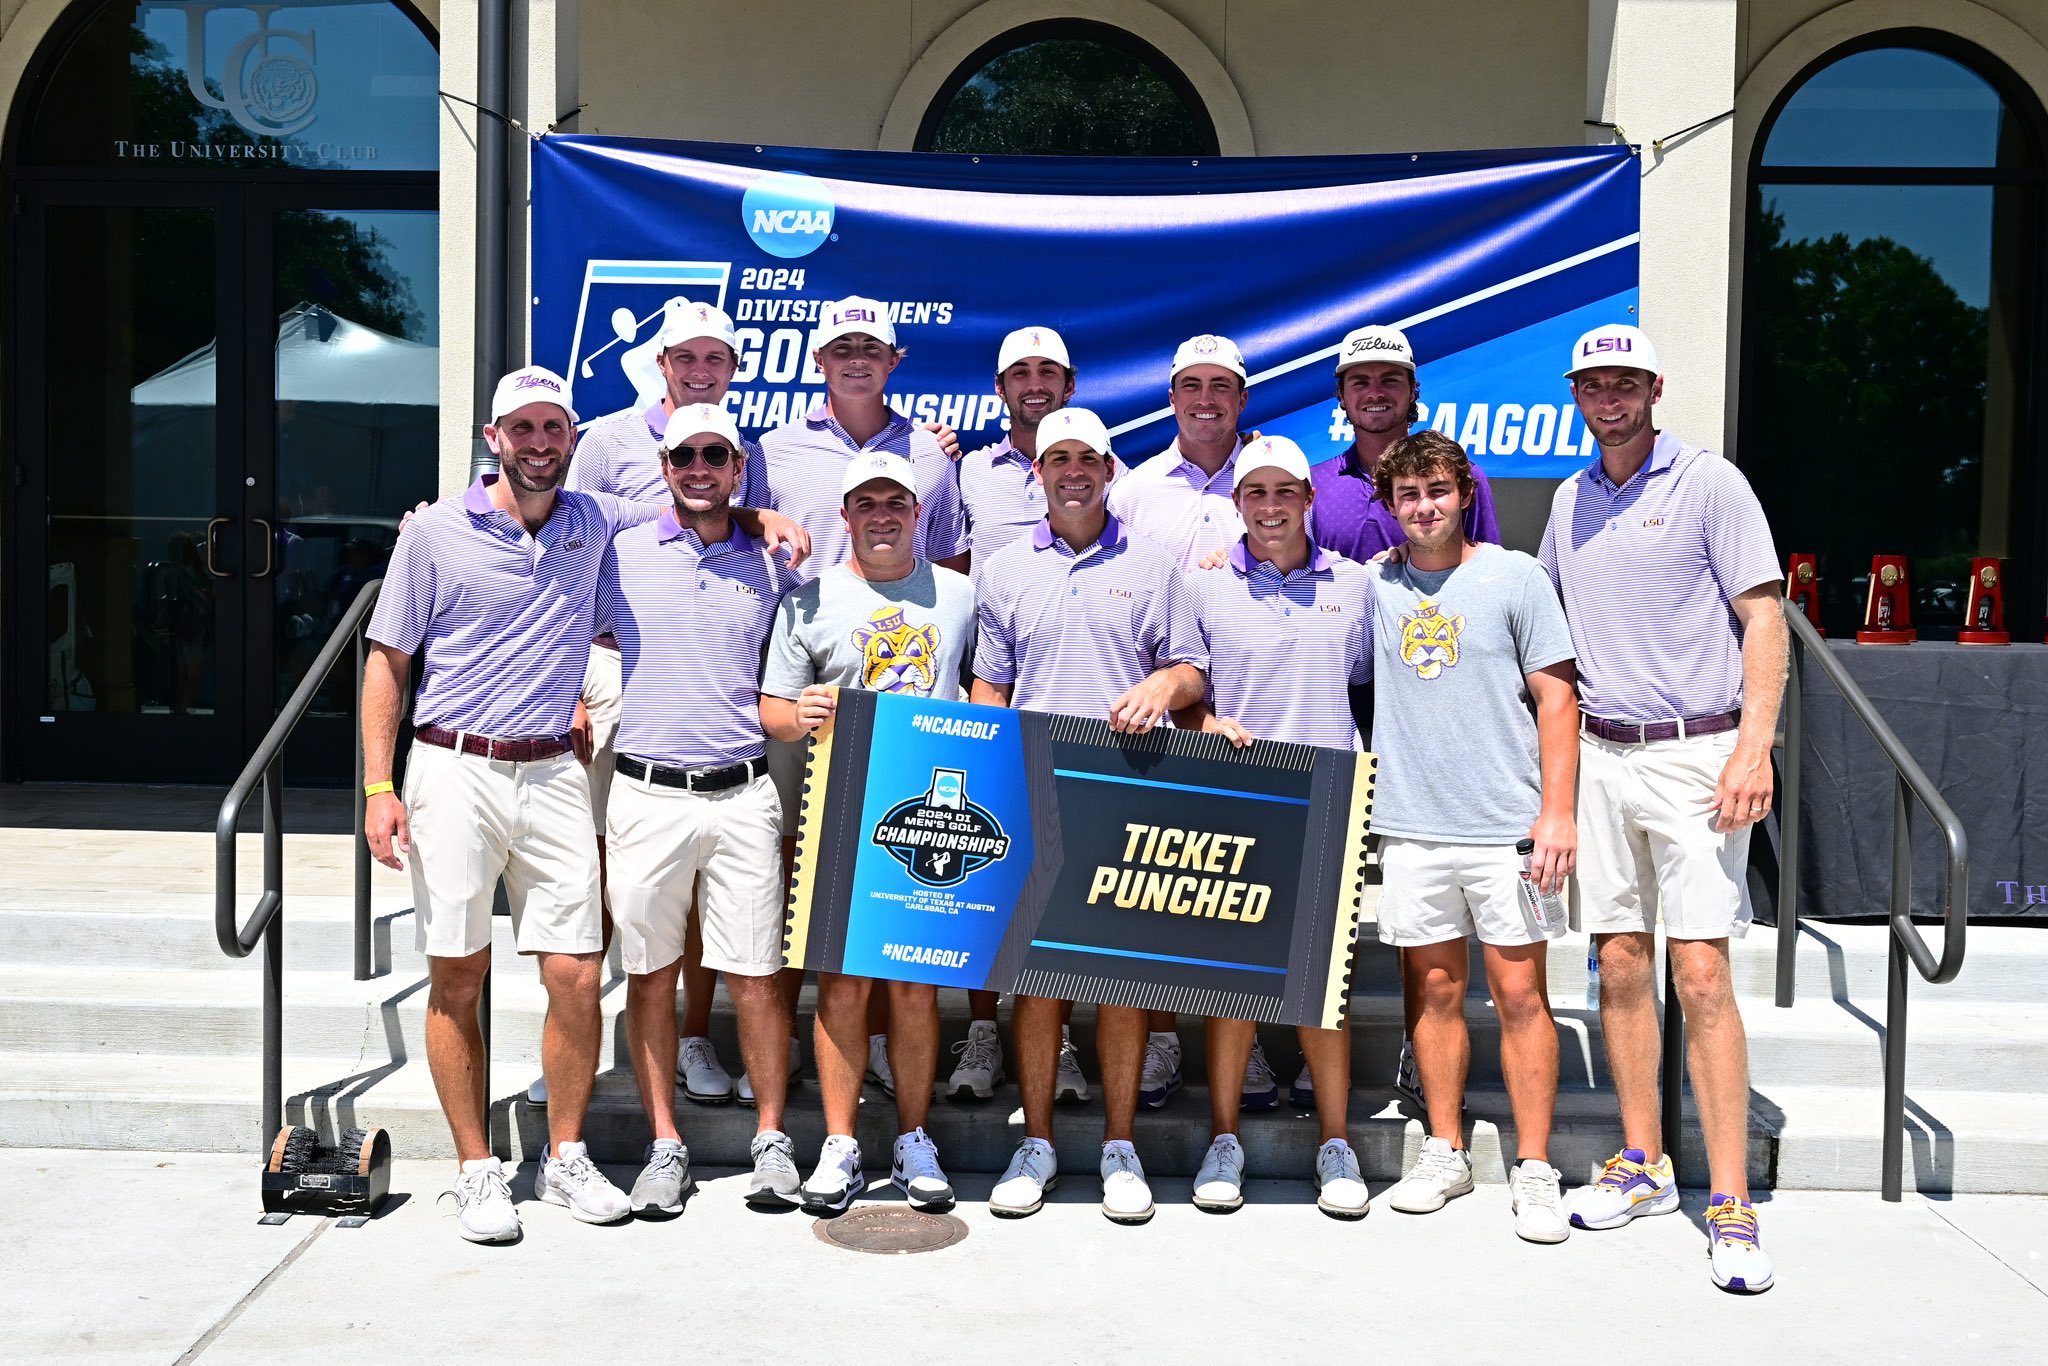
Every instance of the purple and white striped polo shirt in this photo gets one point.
(692, 623)
(799, 472)
(620, 453)
(504, 617)
(1170, 501)
(1073, 632)
(1646, 572)
(1284, 649)
(1003, 497)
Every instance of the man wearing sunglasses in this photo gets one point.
(691, 599)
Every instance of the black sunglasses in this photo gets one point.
(682, 457)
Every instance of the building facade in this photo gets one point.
(246, 267)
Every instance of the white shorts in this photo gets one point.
(1432, 892)
(657, 841)
(786, 762)
(604, 687)
(475, 819)
(1647, 840)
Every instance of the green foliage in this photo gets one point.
(1068, 97)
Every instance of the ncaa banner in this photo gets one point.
(1032, 852)
(1492, 262)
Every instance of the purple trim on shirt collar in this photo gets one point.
(1241, 559)
(477, 497)
(656, 418)
(1661, 455)
(669, 527)
(1112, 534)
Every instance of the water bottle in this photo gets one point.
(1592, 973)
(1543, 907)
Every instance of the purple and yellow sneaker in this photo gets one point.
(1738, 1260)
(1629, 1187)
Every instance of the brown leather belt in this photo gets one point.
(1632, 733)
(509, 751)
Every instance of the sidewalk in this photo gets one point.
(128, 1257)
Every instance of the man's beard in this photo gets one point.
(515, 475)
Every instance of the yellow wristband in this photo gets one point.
(372, 789)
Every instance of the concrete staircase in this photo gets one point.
(123, 1026)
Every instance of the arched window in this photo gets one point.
(1891, 324)
(1068, 87)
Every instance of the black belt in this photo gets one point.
(691, 779)
(1634, 733)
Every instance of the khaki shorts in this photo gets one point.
(659, 839)
(1433, 891)
(604, 689)
(1647, 840)
(474, 820)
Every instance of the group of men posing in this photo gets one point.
(623, 655)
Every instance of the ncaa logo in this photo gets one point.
(787, 215)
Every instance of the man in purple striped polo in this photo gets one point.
(691, 600)
(496, 587)
(1669, 578)
(1082, 618)
(1288, 629)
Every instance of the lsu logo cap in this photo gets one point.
(878, 465)
(1614, 344)
(1073, 424)
(1268, 452)
(1209, 349)
(682, 321)
(854, 315)
(1027, 342)
(1378, 345)
(532, 384)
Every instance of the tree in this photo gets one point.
(1068, 97)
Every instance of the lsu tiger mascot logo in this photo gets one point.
(1429, 640)
(896, 656)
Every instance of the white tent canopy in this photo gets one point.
(321, 358)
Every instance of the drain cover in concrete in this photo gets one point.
(891, 1229)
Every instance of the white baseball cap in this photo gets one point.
(700, 419)
(878, 465)
(1375, 345)
(531, 384)
(1209, 349)
(851, 315)
(1614, 344)
(1026, 342)
(1276, 452)
(681, 320)
(1073, 424)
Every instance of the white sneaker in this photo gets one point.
(1126, 1199)
(1440, 1174)
(837, 1178)
(1340, 1190)
(743, 1089)
(484, 1212)
(980, 1069)
(1069, 1087)
(569, 1178)
(1219, 1185)
(704, 1078)
(1538, 1203)
(774, 1184)
(1407, 1080)
(1737, 1259)
(878, 1064)
(1033, 1170)
(1261, 1088)
(1161, 1077)
(537, 1092)
(916, 1172)
(664, 1181)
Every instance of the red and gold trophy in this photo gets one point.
(1984, 612)
(1888, 608)
(1802, 587)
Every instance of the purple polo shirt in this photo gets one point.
(802, 464)
(620, 453)
(1284, 649)
(1350, 519)
(999, 488)
(503, 616)
(1169, 500)
(692, 623)
(1071, 631)
(1646, 572)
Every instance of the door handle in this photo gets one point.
(269, 548)
(212, 528)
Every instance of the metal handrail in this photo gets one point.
(265, 924)
(1910, 785)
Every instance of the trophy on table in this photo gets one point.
(1802, 587)
(1984, 610)
(1888, 606)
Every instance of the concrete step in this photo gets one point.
(1803, 1138)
